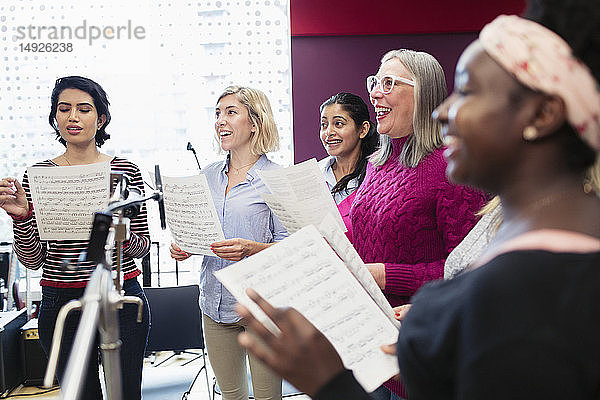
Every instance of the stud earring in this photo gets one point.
(530, 133)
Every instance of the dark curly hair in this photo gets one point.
(578, 23)
(90, 87)
(359, 112)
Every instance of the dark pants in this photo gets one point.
(133, 335)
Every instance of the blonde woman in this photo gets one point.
(246, 130)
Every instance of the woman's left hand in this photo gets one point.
(236, 249)
(401, 311)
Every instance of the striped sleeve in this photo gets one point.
(28, 247)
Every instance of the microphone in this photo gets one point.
(161, 200)
(191, 148)
(122, 191)
(133, 209)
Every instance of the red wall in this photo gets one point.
(336, 44)
(391, 17)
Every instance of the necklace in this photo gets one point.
(335, 167)
(520, 219)
(64, 155)
(237, 170)
(545, 201)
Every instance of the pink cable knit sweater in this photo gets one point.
(410, 219)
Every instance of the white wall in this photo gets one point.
(162, 85)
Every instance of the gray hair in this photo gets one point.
(429, 92)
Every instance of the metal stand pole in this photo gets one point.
(100, 302)
(110, 344)
(84, 340)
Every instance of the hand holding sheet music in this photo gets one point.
(301, 354)
(303, 272)
(191, 213)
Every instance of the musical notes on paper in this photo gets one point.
(344, 249)
(300, 196)
(66, 198)
(288, 218)
(191, 213)
(303, 272)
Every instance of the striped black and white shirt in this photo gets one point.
(51, 255)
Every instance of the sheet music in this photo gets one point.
(302, 195)
(66, 198)
(191, 213)
(344, 249)
(289, 218)
(303, 272)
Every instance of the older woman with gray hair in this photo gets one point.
(406, 216)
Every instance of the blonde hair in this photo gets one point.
(266, 136)
(592, 178)
(429, 92)
(492, 205)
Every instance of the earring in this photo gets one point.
(530, 133)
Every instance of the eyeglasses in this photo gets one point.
(386, 83)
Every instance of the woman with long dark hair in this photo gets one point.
(349, 137)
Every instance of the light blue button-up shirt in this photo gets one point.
(325, 165)
(243, 214)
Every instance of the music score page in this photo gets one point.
(303, 272)
(66, 198)
(300, 196)
(191, 214)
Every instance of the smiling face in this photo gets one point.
(482, 122)
(77, 117)
(394, 111)
(339, 134)
(233, 125)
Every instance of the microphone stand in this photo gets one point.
(101, 299)
(191, 148)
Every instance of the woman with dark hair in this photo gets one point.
(100, 100)
(522, 323)
(79, 115)
(349, 137)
